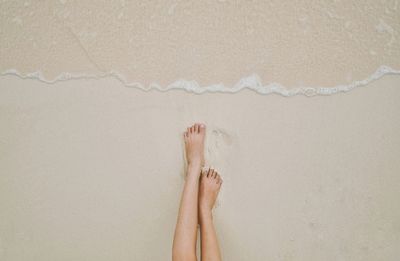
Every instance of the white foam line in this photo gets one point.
(251, 82)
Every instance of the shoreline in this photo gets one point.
(252, 82)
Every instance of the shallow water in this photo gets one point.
(285, 47)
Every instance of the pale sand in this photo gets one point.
(91, 170)
(295, 43)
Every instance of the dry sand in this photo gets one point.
(91, 170)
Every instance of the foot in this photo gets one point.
(194, 144)
(210, 184)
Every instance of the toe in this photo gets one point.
(202, 174)
(202, 128)
(196, 128)
(216, 175)
(209, 173)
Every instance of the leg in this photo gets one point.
(184, 245)
(210, 183)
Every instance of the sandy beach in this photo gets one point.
(92, 169)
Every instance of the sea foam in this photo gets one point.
(252, 82)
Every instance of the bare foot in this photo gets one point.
(194, 144)
(210, 183)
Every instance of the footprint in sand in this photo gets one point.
(218, 145)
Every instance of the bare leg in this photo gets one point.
(184, 245)
(210, 183)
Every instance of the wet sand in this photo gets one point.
(296, 44)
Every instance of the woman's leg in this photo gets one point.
(210, 183)
(184, 245)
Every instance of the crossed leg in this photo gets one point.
(195, 208)
(210, 183)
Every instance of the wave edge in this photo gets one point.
(252, 82)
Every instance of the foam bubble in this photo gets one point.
(251, 82)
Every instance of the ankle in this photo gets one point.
(205, 210)
(194, 167)
(205, 216)
(194, 164)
